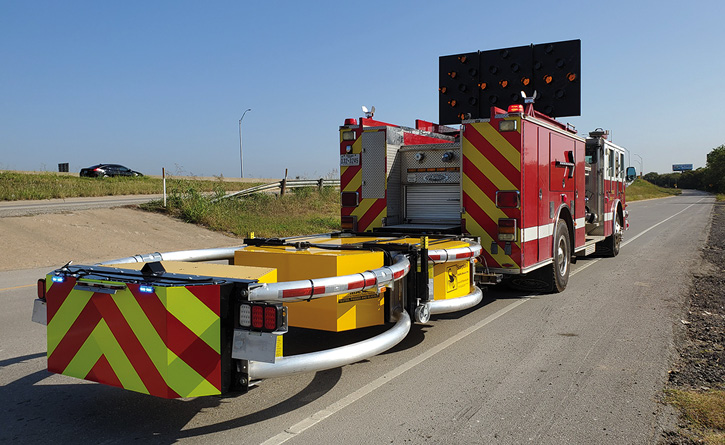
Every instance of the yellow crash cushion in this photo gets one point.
(335, 313)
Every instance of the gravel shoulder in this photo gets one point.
(51, 240)
(700, 334)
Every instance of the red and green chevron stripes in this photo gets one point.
(165, 343)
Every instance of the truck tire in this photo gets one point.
(562, 258)
(611, 244)
(553, 277)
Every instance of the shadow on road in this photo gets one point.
(34, 411)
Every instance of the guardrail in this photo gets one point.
(283, 185)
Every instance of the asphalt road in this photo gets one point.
(584, 366)
(22, 208)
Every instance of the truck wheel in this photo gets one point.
(614, 241)
(553, 277)
(610, 246)
(562, 258)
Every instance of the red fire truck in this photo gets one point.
(426, 213)
(535, 193)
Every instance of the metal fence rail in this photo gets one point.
(283, 185)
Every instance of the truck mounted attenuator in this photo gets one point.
(427, 214)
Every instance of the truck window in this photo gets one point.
(610, 156)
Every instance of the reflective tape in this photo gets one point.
(323, 287)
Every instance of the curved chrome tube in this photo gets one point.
(214, 254)
(333, 358)
(323, 287)
(456, 304)
(459, 253)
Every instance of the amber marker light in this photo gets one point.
(548, 79)
(571, 77)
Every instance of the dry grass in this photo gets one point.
(704, 410)
(641, 189)
(19, 186)
(300, 211)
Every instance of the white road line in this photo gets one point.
(661, 222)
(579, 269)
(323, 414)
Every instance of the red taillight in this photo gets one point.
(349, 199)
(508, 199)
(507, 229)
(270, 318)
(263, 316)
(257, 317)
(41, 288)
(96, 169)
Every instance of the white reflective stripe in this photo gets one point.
(608, 216)
(529, 234)
(579, 223)
(537, 232)
(546, 230)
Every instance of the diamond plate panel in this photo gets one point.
(394, 180)
(373, 164)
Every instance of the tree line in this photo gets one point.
(710, 178)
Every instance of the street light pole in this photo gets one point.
(641, 165)
(241, 154)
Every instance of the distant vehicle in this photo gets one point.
(104, 170)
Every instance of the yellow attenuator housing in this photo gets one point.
(259, 274)
(335, 313)
(450, 280)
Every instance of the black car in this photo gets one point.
(104, 170)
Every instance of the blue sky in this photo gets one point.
(163, 84)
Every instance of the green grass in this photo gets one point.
(641, 189)
(720, 197)
(19, 186)
(705, 412)
(299, 212)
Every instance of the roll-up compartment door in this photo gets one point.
(433, 203)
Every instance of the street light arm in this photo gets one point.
(241, 154)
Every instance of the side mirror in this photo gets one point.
(631, 174)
